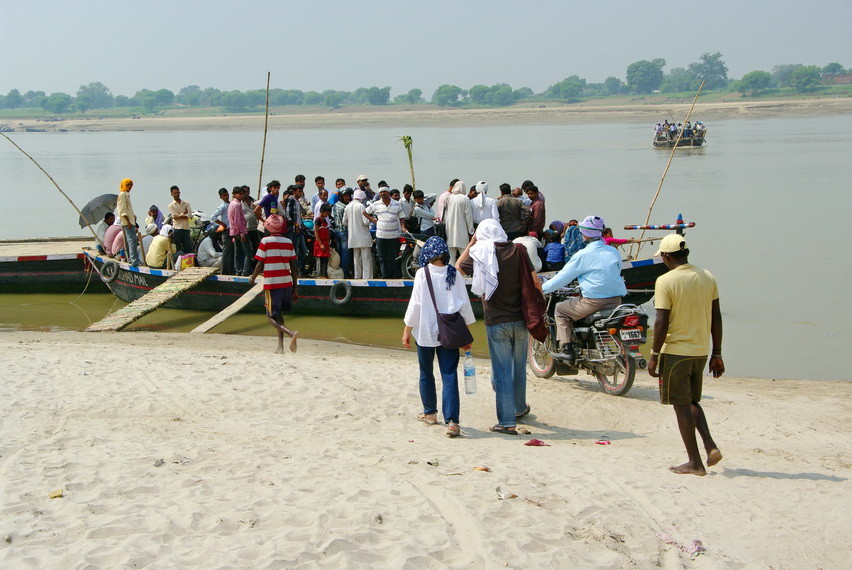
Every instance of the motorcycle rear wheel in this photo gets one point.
(621, 381)
(408, 264)
(541, 363)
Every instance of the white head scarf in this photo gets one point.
(484, 257)
(459, 188)
(482, 188)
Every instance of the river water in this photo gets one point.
(770, 198)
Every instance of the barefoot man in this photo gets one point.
(276, 259)
(688, 317)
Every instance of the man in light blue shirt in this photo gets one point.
(597, 267)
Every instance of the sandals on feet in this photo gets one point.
(524, 413)
(430, 419)
(503, 430)
(453, 429)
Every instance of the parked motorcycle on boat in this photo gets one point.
(606, 344)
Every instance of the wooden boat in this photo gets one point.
(59, 273)
(326, 296)
(696, 140)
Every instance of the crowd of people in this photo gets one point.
(670, 131)
(346, 227)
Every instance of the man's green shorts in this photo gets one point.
(681, 378)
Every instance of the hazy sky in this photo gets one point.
(58, 45)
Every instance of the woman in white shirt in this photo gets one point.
(421, 321)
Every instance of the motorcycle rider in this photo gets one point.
(597, 267)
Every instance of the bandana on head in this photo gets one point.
(275, 224)
(557, 226)
(459, 188)
(125, 185)
(434, 248)
(592, 226)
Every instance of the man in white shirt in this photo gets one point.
(482, 206)
(360, 240)
(180, 211)
(386, 214)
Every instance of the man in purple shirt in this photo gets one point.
(239, 233)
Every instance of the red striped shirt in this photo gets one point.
(276, 253)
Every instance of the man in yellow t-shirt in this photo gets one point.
(162, 249)
(688, 317)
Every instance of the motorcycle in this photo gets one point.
(409, 251)
(606, 344)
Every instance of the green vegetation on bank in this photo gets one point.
(643, 79)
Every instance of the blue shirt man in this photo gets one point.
(597, 268)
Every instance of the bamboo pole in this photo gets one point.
(666, 170)
(265, 125)
(408, 143)
(73, 205)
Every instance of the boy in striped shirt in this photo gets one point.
(276, 259)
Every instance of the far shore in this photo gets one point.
(430, 116)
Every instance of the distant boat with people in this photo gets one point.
(667, 135)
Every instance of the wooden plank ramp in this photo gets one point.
(231, 309)
(153, 299)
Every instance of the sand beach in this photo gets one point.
(595, 111)
(176, 450)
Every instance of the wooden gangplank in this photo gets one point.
(231, 309)
(153, 299)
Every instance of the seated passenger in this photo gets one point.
(162, 249)
(209, 251)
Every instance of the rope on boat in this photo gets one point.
(73, 205)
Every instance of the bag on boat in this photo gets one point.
(334, 259)
(187, 260)
(533, 305)
(452, 330)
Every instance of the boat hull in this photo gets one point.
(684, 143)
(63, 273)
(386, 297)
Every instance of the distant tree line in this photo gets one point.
(642, 77)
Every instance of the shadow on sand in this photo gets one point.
(731, 473)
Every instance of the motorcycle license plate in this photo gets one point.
(631, 334)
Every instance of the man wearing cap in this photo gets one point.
(360, 240)
(151, 230)
(386, 214)
(277, 259)
(162, 249)
(597, 267)
(364, 185)
(688, 319)
(180, 212)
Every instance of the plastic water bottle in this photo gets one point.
(469, 374)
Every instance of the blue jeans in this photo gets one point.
(507, 344)
(242, 249)
(448, 363)
(131, 243)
